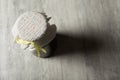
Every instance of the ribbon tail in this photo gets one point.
(39, 49)
(38, 53)
(43, 50)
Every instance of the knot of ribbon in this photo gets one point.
(37, 47)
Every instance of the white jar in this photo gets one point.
(34, 26)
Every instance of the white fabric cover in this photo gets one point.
(32, 26)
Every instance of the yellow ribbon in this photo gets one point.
(36, 46)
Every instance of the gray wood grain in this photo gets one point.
(88, 41)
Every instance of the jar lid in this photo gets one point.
(30, 26)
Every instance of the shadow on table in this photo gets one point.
(91, 43)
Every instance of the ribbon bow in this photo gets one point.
(36, 46)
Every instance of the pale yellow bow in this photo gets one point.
(36, 46)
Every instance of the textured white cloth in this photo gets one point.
(33, 26)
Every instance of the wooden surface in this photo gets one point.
(88, 41)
